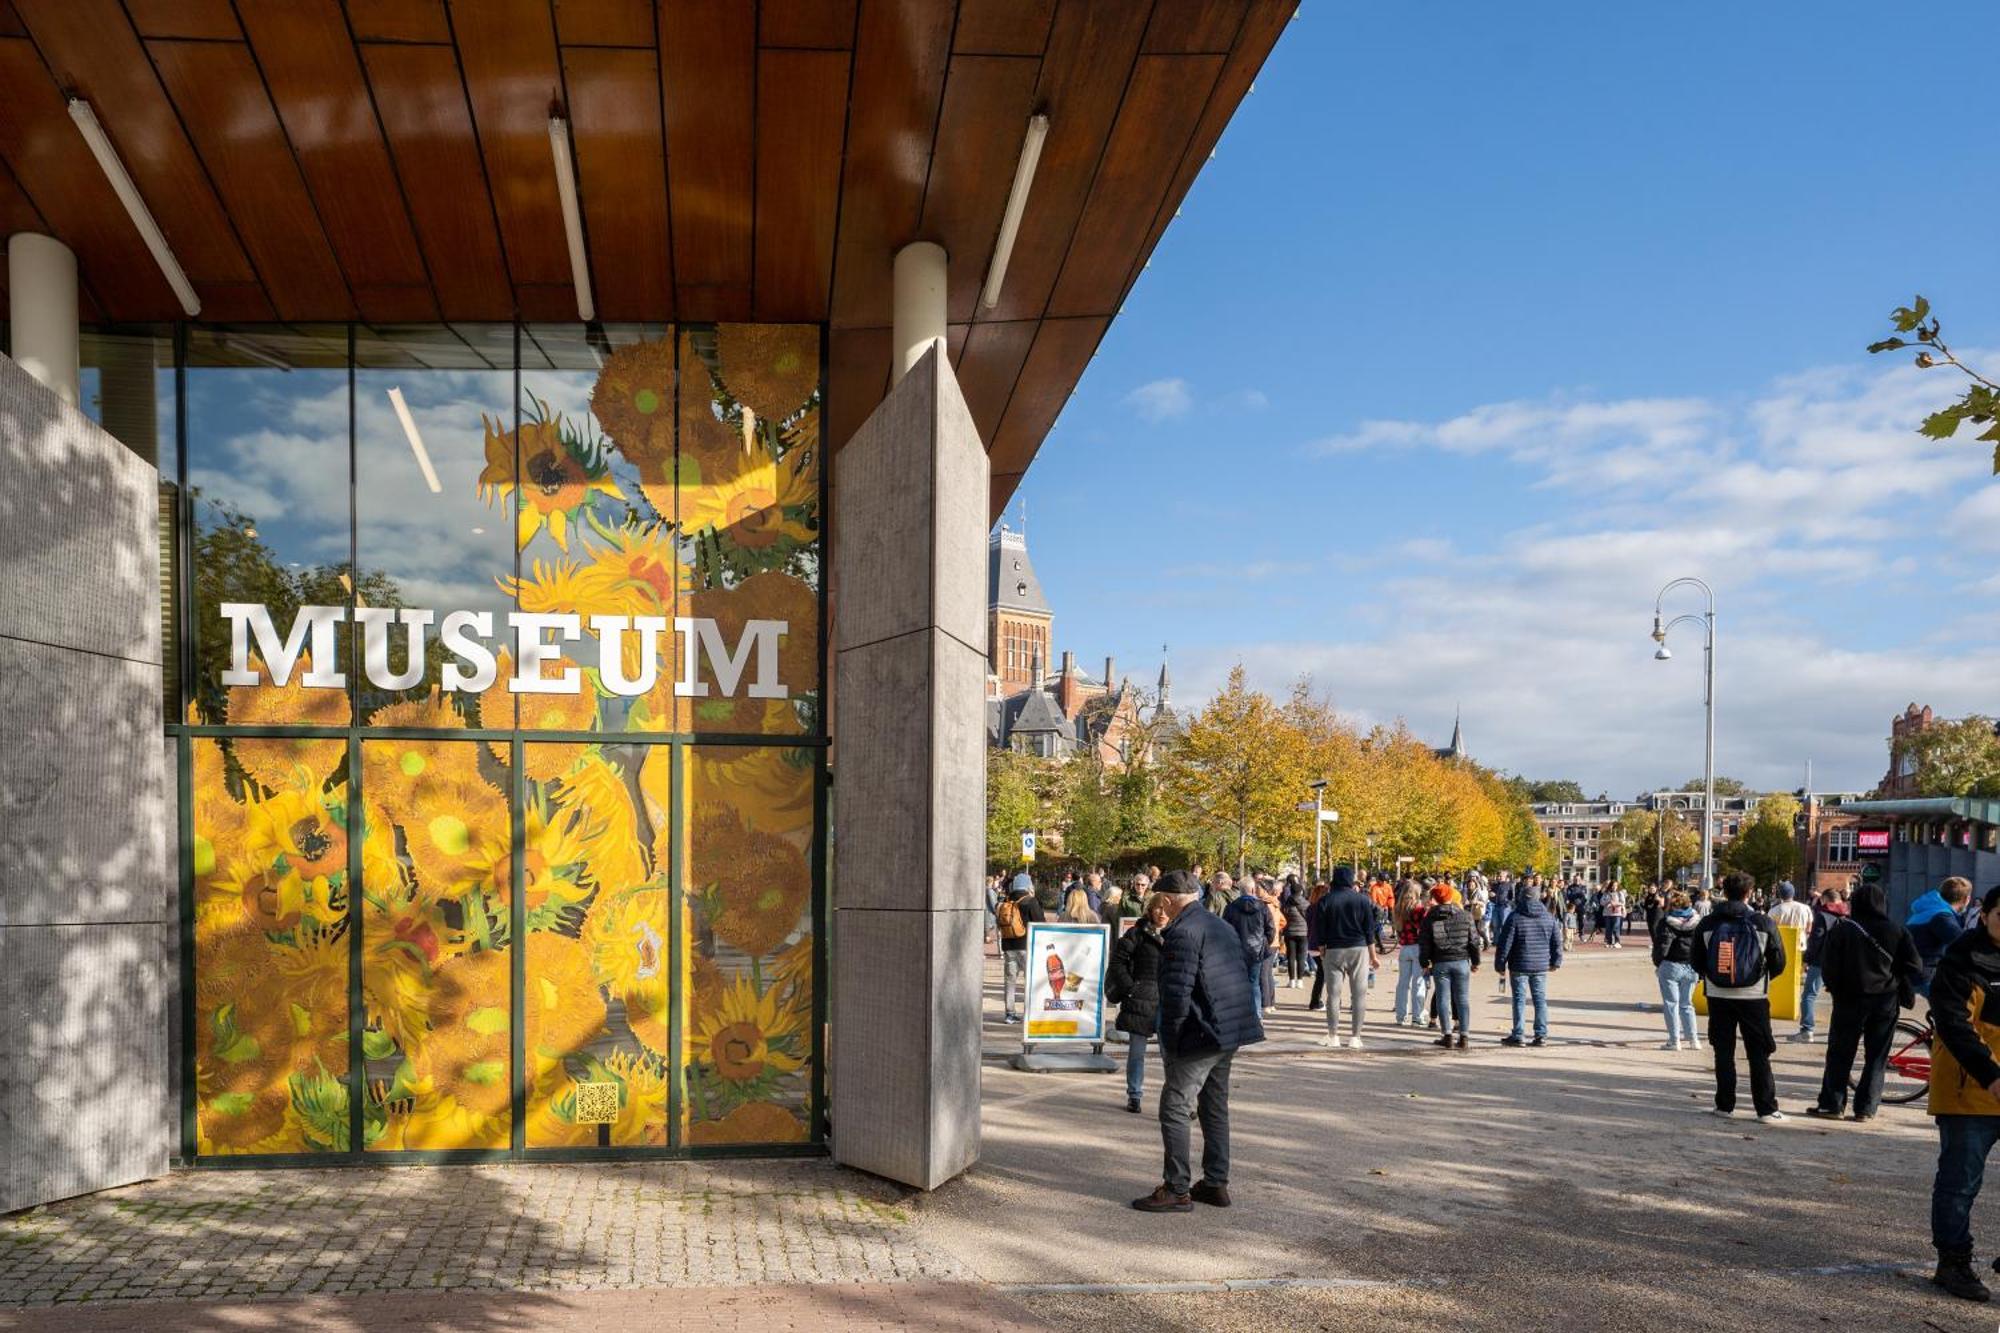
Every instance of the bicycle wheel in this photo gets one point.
(1909, 1074)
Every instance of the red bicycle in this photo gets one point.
(1909, 1073)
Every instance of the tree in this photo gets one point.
(1089, 811)
(1635, 843)
(1723, 786)
(1957, 758)
(1979, 405)
(1011, 804)
(1237, 767)
(1764, 850)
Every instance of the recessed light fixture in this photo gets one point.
(579, 262)
(416, 440)
(1017, 203)
(114, 171)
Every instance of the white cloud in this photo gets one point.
(1161, 400)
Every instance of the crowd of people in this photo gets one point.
(1195, 958)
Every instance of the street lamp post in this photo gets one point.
(1372, 864)
(1660, 630)
(1319, 825)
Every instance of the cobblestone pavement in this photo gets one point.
(249, 1235)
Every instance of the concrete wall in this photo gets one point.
(909, 754)
(86, 800)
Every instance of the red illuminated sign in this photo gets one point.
(1872, 841)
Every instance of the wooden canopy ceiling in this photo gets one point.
(387, 161)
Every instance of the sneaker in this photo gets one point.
(1513, 1040)
(1010, 1019)
(1331, 1043)
(1803, 1035)
(1730, 1114)
(1354, 1043)
(1539, 1041)
(1314, 1008)
(1132, 1105)
(1775, 1118)
(1821, 1113)
(1164, 1200)
(1862, 1117)
(1215, 1196)
(1671, 1045)
(1270, 1008)
(1955, 1276)
(1694, 1044)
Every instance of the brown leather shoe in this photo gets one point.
(1164, 1200)
(1461, 1041)
(1214, 1195)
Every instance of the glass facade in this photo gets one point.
(501, 745)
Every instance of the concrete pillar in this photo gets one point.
(919, 303)
(909, 754)
(41, 310)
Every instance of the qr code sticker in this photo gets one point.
(596, 1103)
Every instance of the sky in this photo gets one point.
(1486, 321)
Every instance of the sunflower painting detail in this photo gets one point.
(664, 938)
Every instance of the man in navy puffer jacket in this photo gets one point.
(1530, 947)
(1207, 1010)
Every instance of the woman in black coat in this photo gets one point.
(1132, 981)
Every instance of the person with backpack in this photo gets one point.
(1244, 912)
(1208, 1011)
(1737, 952)
(1965, 1091)
(1016, 908)
(1530, 947)
(1449, 951)
(1292, 902)
(1832, 906)
(1934, 921)
(1872, 967)
(1673, 964)
(1132, 982)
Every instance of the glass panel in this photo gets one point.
(268, 472)
(270, 959)
(428, 536)
(595, 876)
(748, 980)
(435, 971)
(749, 517)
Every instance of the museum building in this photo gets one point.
(495, 557)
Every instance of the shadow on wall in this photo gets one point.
(85, 883)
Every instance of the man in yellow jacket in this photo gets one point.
(1965, 1092)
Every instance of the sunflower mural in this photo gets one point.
(665, 889)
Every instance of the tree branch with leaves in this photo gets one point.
(1979, 405)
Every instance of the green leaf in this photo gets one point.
(1887, 345)
(232, 1046)
(1996, 460)
(1942, 425)
(486, 1071)
(377, 1044)
(231, 1103)
(487, 1022)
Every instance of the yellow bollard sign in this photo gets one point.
(1787, 989)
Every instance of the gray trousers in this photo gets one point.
(1014, 978)
(1349, 968)
(1196, 1086)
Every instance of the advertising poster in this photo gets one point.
(1066, 982)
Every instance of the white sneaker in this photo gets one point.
(1331, 1043)
(1695, 1044)
(1726, 1115)
(1354, 1043)
(1776, 1117)
(1271, 1009)
(1673, 1045)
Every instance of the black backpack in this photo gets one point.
(1735, 954)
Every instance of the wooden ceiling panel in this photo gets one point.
(1061, 350)
(91, 48)
(10, 22)
(49, 162)
(17, 213)
(212, 20)
(1262, 25)
(221, 99)
(987, 102)
(1162, 104)
(899, 66)
(1000, 488)
(604, 22)
(1187, 26)
(826, 25)
(989, 368)
(1090, 55)
(708, 55)
(396, 305)
(507, 49)
(621, 167)
(1003, 27)
(801, 121)
(857, 375)
(322, 98)
(422, 102)
(236, 303)
(399, 21)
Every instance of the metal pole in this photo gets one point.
(1708, 766)
(1660, 837)
(1319, 828)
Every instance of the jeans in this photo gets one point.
(1267, 979)
(1537, 985)
(1412, 986)
(1453, 980)
(1614, 929)
(1963, 1143)
(1295, 957)
(1349, 969)
(1135, 1065)
(1199, 1086)
(1677, 1000)
(1809, 997)
(1868, 1021)
(1752, 1018)
(1014, 978)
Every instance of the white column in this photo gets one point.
(41, 307)
(919, 303)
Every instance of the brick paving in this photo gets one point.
(262, 1235)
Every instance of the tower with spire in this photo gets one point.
(1455, 750)
(1020, 624)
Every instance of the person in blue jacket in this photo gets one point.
(1935, 920)
(1208, 1011)
(1529, 948)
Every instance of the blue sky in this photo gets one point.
(1486, 320)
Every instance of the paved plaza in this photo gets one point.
(1395, 1188)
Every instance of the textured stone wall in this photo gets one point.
(86, 802)
(909, 753)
